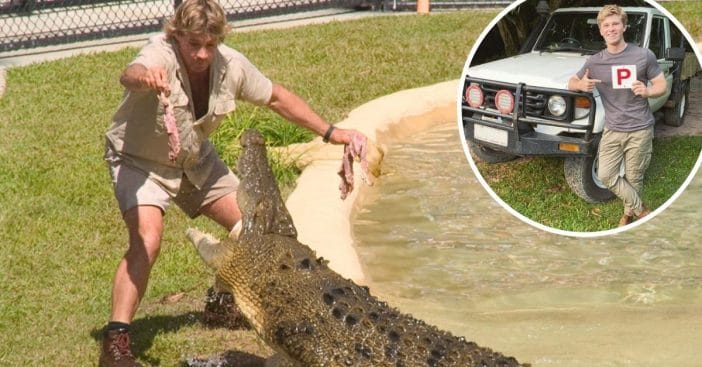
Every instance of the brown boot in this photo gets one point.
(115, 350)
(221, 311)
(625, 219)
(644, 212)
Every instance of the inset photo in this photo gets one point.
(582, 118)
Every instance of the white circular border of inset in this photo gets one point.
(474, 167)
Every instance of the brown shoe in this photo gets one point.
(625, 219)
(644, 212)
(115, 350)
(221, 311)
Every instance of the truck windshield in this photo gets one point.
(578, 32)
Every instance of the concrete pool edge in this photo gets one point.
(322, 219)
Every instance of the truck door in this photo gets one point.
(658, 43)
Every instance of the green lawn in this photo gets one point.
(536, 187)
(688, 14)
(60, 229)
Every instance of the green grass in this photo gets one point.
(688, 13)
(60, 229)
(536, 187)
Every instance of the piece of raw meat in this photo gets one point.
(169, 121)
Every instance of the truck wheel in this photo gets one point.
(675, 116)
(489, 155)
(581, 175)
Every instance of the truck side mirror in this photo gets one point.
(675, 53)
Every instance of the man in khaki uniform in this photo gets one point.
(189, 70)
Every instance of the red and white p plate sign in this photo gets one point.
(623, 76)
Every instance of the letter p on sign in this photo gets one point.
(623, 76)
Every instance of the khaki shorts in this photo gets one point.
(133, 187)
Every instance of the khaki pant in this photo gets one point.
(133, 187)
(634, 150)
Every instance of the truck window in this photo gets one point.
(657, 42)
(676, 37)
(636, 31)
(571, 32)
(579, 32)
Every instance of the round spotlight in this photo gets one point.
(504, 101)
(474, 96)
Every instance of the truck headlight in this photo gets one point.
(557, 105)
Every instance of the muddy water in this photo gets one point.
(437, 246)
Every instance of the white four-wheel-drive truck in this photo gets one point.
(520, 105)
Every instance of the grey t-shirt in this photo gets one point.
(624, 111)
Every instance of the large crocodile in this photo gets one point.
(305, 311)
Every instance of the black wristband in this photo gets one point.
(327, 135)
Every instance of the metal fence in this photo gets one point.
(27, 24)
(34, 23)
(398, 5)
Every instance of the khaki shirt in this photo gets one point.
(138, 134)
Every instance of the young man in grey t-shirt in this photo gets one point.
(621, 72)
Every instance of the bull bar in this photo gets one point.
(522, 139)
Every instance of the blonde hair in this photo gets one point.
(608, 10)
(199, 17)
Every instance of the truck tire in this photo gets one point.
(581, 176)
(674, 116)
(489, 155)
